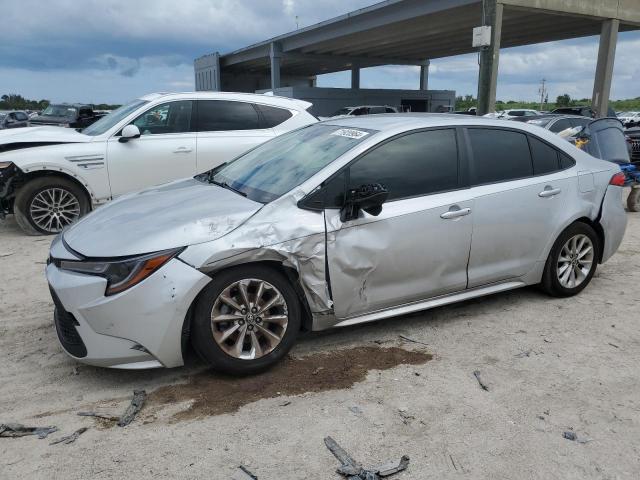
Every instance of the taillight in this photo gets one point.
(618, 180)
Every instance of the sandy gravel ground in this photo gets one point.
(550, 365)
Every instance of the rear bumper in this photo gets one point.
(613, 219)
(138, 328)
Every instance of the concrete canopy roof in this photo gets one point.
(407, 32)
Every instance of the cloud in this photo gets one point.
(98, 51)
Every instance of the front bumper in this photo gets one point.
(138, 328)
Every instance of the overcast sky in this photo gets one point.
(113, 50)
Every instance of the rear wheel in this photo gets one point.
(46, 205)
(572, 261)
(633, 200)
(246, 320)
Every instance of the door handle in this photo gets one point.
(182, 150)
(461, 212)
(549, 192)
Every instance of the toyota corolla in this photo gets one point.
(334, 224)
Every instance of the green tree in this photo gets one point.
(563, 100)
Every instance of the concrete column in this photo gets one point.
(217, 83)
(604, 68)
(355, 77)
(424, 75)
(488, 75)
(275, 54)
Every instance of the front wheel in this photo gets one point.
(572, 261)
(246, 319)
(46, 205)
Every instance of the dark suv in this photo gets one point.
(583, 111)
(14, 119)
(64, 115)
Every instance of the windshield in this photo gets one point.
(59, 111)
(109, 120)
(279, 165)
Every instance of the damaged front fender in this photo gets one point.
(280, 232)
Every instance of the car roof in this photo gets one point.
(410, 121)
(248, 97)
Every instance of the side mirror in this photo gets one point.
(366, 197)
(128, 133)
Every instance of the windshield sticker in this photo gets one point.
(350, 133)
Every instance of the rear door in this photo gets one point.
(226, 129)
(518, 187)
(418, 246)
(165, 151)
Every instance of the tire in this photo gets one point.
(633, 200)
(580, 256)
(225, 336)
(66, 200)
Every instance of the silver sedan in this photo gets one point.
(338, 223)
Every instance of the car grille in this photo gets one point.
(66, 325)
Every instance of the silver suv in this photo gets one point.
(334, 224)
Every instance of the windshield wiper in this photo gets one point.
(228, 187)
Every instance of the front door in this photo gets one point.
(418, 246)
(165, 151)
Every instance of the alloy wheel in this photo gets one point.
(53, 209)
(249, 319)
(575, 261)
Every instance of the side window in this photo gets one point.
(580, 122)
(172, 117)
(85, 112)
(21, 117)
(545, 157)
(273, 116)
(374, 110)
(561, 125)
(566, 161)
(389, 110)
(223, 115)
(359, 111)
(499, 155)
(415, 164)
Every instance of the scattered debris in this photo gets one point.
(317, 371)
(407, 418)
(407, 339)
(70, 438)
(284, 404)
(453, 462)
(75, 371)
(243, 473)
(547, 340)
(356, 410)
(5, 254)
(614, 345)
(482, 384)
(417, 374)
(103, 416)
(541, 417)
(569, 435)
(14, 430)
(139, 396)
(525, 353)
(354, 471)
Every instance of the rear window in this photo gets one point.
(223, 115)
(273, 116)
(499, 155)
(545, 157)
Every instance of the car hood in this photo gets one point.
(173, 215)
(47, 134)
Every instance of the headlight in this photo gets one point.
(122, 274)
(4, 165)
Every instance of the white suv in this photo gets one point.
(51, 176)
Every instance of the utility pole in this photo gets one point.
(543, 92)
